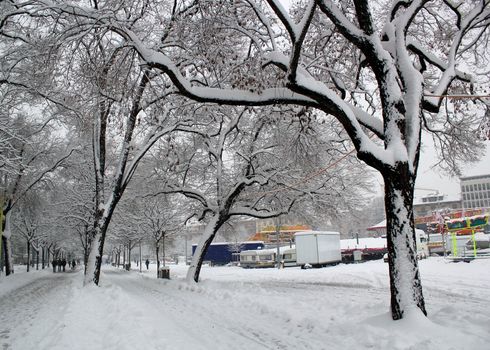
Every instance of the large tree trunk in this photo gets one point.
(86, 251)
(94, 261)
(405, 285)
(129, 254)
(209, 233)
(157, 250)
(33, 255)
(124, 257)
(1, 254)
(28, 256)
(9, 261)
(7, 245)
(163, 250)
(98, 257)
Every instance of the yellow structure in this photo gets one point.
(268, 234)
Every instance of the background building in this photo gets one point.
(430, 204)
(475, 191)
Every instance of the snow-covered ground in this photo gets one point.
(341, 307)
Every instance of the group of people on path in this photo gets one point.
(61, 264)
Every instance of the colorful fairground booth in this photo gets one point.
(452, 231)
(465, 226)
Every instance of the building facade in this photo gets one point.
(475, 191)
(429, 205)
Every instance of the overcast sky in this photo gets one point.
(432, 179)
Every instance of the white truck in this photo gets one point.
(317, 248)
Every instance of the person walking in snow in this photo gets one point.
(63, 263)
(147, 262)
(54, 263)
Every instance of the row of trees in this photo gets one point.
(212, 156)
(236, 105)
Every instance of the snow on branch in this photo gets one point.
(41, 176)
(186, 191)
(284, 17)
(466, 23)
(146, 145)
(348, 29)
(162, 62)
(298, 40)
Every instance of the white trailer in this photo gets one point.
(268, 257)
(421, 243)
(317, 248)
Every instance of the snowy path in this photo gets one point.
(30, 313)
(183, 312)
(226, 315)
(343, 307)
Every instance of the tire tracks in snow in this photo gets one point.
(190, 308)
(213, 308)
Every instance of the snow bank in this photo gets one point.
(340, 307)
(20, 278)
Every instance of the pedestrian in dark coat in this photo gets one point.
(147, 262)
(63, 263)
(54, 263)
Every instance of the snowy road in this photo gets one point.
(342, 307)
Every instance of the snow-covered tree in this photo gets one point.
(238, 162)
(27, 222)
(9, 129)
(383, 70)
(108, 92)
(37, 155)
(159, 220)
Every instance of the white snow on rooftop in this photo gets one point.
(369, 242)
(437, 199)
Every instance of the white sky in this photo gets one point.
(432, 179)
